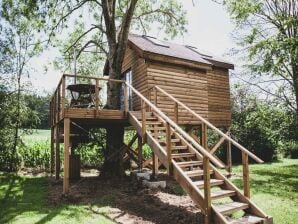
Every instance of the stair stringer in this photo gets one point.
(184, 181)
(253, 209)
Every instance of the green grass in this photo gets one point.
(23, 200)
(274, 188)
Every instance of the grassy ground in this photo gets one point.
(274, 188)
(24, 199)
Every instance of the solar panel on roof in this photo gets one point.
(195, 49)
(155, 41)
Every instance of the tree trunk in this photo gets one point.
(295, 84)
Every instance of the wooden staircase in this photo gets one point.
(193, 166)
(188, 169)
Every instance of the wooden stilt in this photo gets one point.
(204, 137)
(246, 187)
(155, 164)
(57, 152)
(229, 157)
(140, 152)
(207, 192)
(66, 155)
(52, 151)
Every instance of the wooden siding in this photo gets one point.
(139, 77)
(186, 84)
(219, 97)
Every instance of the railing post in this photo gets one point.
(96, 95)
(229, 157)
(126, 106)
(169, 148)
(63, 96)
(245, 169)
(140, 153)
(176, 112)
(143, 108)
(155, 96)
(52, 150)
(57, 152)
(207, 192)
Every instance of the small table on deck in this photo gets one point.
(86, 95)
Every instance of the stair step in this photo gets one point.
(229, 208)
(196, 173)
(174, 140)
(179, 147)
(222, 194)
(213, 182)
(156, 128)
(154, 122)
(247, 219)
(182, 155)
(189, 163)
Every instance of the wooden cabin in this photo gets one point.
(199, 80)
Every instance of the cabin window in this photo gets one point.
(127, 77)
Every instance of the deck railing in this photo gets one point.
(245, 152)
(60, 99)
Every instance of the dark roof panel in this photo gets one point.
(153, 45)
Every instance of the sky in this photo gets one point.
(209, 29)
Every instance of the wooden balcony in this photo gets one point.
(62, 106)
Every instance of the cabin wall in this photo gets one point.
(187, 85)
(139, 77)
(219, 102)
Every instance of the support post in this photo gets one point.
(155, 164)
(204, 137)
(126, 106)
(207, 192)
(229, 157)
(57, 152)
(143, 108)
(169, 148)
(245, 169)
(96, 95)
(52, 151)
(155, 97)
(140, 153)
(176, 112)
(63, 96)
(66, 155)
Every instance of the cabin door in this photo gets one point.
(127, 77)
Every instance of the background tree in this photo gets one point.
(19, 46)
(267, 33)
(106, 26)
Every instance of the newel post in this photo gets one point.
(96, 95)
(207, 192)
(63, 95)
(125, 98)
(176, 112)
(143, 109)
(245, 170)
(169, 148)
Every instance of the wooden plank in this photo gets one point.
(57, 152)
(169, 149)
(155, 164)
(66, 155)
(97, 95)
(143, 121)
(207, 190)
(140, 153)
(52, 164)
(229, 208)
(245, 169)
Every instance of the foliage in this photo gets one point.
(274, 188)
(264, 128)
(267, 33)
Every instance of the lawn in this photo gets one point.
(24, 199)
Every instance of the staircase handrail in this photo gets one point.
(228, 138)
(176, 127)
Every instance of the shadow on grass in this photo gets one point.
(281, 181)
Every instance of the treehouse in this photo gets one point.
(168, 91)
(199, 80)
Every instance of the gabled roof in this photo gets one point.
(149, 44)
